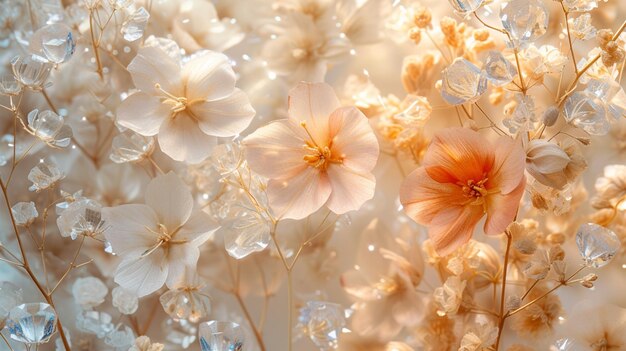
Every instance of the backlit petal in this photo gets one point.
(509, 165)
(453, 227)
(153, 66)
(142, 113)
(128, 228)
(171, 200)
(182, 139)
(224, 117)
(353, 137)
(208, 76)
(313, 103)
(143, 276)
(501, 209)
(299, 196)
(350, 189)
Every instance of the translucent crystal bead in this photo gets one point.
(191, 305)
(89, 292)
(9, 85)
(32, 323)
(249, 232)
(322, 322)
(7, 143)
(24, 213)
(82, 217)
(466, 6)
(121, 337)
(498, 69)
(611, 93)
(462, 82)
(10, 296)
(221, 336)
(525, 20)
(523, 116)
(49, 127)
(125, 301)
(94, 322)
(62, 206)
(227, 157)
(31, 71)
(179, 332)
(131, 147)
(55, 41)
(586, 111)
(596, 244)
(562, 345)
(43, 176)
(133, 27)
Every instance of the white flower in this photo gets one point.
(143, 343)
(89, 292)
(188, 106)
(124, 301)
(156, 241)
(450, 295)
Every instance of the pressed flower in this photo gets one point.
(188, 106)
(322, 154)
(463, 178)
(159, 239)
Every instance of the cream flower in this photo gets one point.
(156, 241)
(186, 106)
(323, 154)
(143, 343)
(450, 295)
(604, 326)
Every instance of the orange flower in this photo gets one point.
(463, 178)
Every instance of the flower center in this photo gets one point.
(319, 156)
(164, 237)
(178, 104)
(476, 192)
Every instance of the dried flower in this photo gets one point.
(463, 179)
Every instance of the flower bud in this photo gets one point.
(550, 115)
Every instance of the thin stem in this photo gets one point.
(246, 313)
(502, 317)
(94, 46)
(569, 37)
(529, 290)
(71, 265)
(6, 341)
(49, 101)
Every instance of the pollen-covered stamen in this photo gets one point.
(476, 192)
(319, 156)
(165, 238)
(179, 104)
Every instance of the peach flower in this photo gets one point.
(322, 154)
(463, 178)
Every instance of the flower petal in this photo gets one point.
(128, 228)
(313, 103)
(197, 229)
(153, 66)
(350, 189)
(143, 276)
(458, 154)
(181, 257)
(142, 113)
(208, 76)
(170, 199)
(300, 195)
(182, 139)
(276, 150)
(453, 227)
(501, 209)
(354, 139)
(423, 198)
(224, 117)
(509, 165)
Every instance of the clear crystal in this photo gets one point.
(9, 85)
(580, 5)
(43, 176)
(133, 27)
(221, 336)
(498, 69)
(523, 116)
(322, 322)
(94, 322)
(586, 111)
(227, 157)
(32, 323)
(49, 127)
(179, 332)
(121, 338)
(525, 20)
(31, 71)
(596, 244)
(62, 206)
(55, 41)
(462, 82)
(47, 11)
(131, 147)
(611, 93)
(466, 6)
(191, 305)
(24, 213)
(10, 296)
(249, 232)
(125, 301)
(89, 292)
(562, 345)
(82, 217)
(7, 143)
